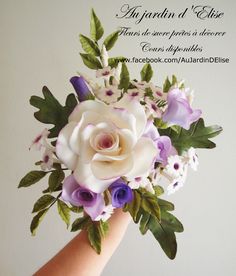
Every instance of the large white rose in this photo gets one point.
(100, 143)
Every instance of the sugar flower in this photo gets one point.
(40, 140)
(106, 213)
(121, 193)
(192, 158)
(105, 72)
(81, 88)
(137, 93)
(108, 94)
(165, 149)
(47, 160)
(179, 111)
(178, 182)
(104, 56)
(77, 195)
(175, 166)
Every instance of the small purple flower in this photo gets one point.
(81, 88)
(179, 111)
(121, 193)
(72, 192)
(165, 149)
(151, 131)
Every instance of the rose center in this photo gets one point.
(106, 141)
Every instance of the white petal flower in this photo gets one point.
(40, 140)
(47, 160)
(108, 94)
(136, 94)
(175, 166)
(153, 109)
(106, 213)
(117, 73)
(178, 182)
(192, 158)
(105, 72)
(141, 182)
(157, 92)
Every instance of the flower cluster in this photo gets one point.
(122, 141)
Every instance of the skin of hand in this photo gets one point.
(78, 258)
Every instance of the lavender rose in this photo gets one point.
(72, 192)
(179, 111)
(121, 193)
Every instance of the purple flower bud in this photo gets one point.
(121, 193)
(165, 149)
(179, 111)
(72, 192)
(81, 88)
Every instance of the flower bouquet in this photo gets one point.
(116, 143)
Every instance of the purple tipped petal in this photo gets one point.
(151, 131)
(179, 111)
(69, 186)
(95, 210)
(81, 88)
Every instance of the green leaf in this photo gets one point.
(150, 205)
(171, 222)
(51, 111)
(165, 205)
(95, 237)
(96, 29)
(59, 188)
(31, 178)
(167, 85)
(76, 209)
(144, 223)
(197, 136)
(80, 223)
(103, 228)
(158, 190)
(64, 211)
(174, 80)
(111, 40)
(146, 73)
(91, 61)
(89, 46)
(43, 202)
(124, 77)
(113, 62)
(134, 205)
(55, 179)
(36, 221)
(164, 236)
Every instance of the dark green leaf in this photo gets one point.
(76, 209)
(31, 178)
(91, 61)
(96, 29)
(134, 205)
(113, 62)
(147, 72)
(150, 205)
(59, 188)
(51, 111)
(144, 223)
(89, 46)
(165, 205)
(124, 77)
(164, 236)
(95, 237)
(197, 136)
(103, 228)
(167, 85)
(80, 223)
(63, 211)
(171, 222)
(55, 179)
(36, 221)
(111, 40)
(174, 80)
(43, 202)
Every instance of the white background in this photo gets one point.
(40, 46)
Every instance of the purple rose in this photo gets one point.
(121, 193)
(165, 149)
(72, 192)
(81, 88)
(179, 111)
